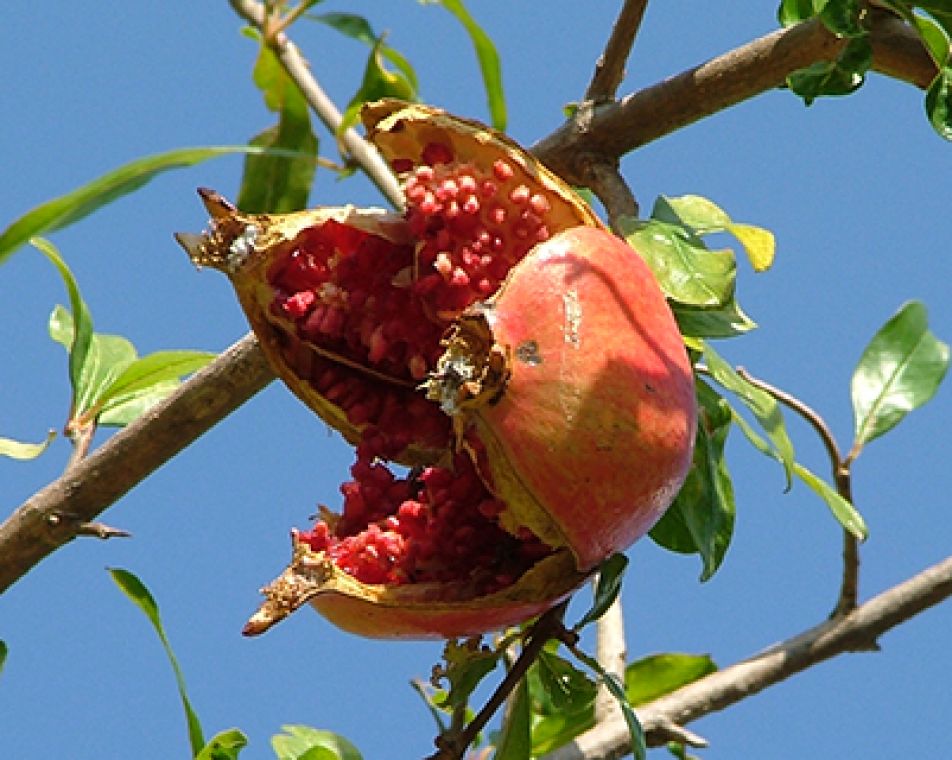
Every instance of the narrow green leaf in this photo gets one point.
(81, 337)
(701, 519)
(25, 451)
(225, 745)
(378, 82)
(515, 743)
(132, 587)
(900, 370)
(297, 741)
(610, 575)
(725, 321)
(271, 183)
(933, 36)
(489, 63)
(939, 103)
(360, 29)
(67, 209)
(3, 654)
(845, 513)
(764, 406)
(156, 369)
(654, 676)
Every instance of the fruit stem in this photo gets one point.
(548, 626)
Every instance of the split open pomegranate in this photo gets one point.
(517, 359)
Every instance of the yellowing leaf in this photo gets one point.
(758, 243)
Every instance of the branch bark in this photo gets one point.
(855, 632)
(763, 64)
(58, 513)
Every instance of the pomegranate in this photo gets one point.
(495, 340)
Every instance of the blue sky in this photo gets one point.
(855, 190)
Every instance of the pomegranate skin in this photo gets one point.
(549, 429)
(414, 611)
(591, 436)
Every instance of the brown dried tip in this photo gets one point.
(303, 579)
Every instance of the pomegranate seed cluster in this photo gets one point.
(436, 526)
(474, 224)
(359, 300)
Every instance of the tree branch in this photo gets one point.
(365, 154)
(763, 64)
(59, 512)
(857, 631)
(610, 67)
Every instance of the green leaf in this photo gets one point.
(80, 331)
(360, 29)
(225, 745)
(686, 270)
(725, 321)
(933, 36)
(843, 17)
(489, 63)
(703, 216)
(67, 209)
(610, 575)
(467, 663)
(552, 731)
(654, 676)
(25, 451)
(566, 688)
(701, 519)
(793, 12)
(122, 410)
(840, 77)
(3, 654)
(378, 82)
(845, 513)
(297, 741)
(271, 183)
(132, 587)
(764, 406)
(515, 742)
(157, 369)
(899, 371)
(939, 103)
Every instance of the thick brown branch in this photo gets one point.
(57, 514)
(610, 67)
(857, 631)
(763, 64)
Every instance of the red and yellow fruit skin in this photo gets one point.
(583, 423)
(416, 611)
(591, 437)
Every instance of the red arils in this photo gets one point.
(456, 339)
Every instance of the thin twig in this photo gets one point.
(548, 626)
(611, 651)
(365, 154)
(858, 631)
(615, 129)
(610, 67)
(848, 596)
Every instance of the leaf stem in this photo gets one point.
(842, 479)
